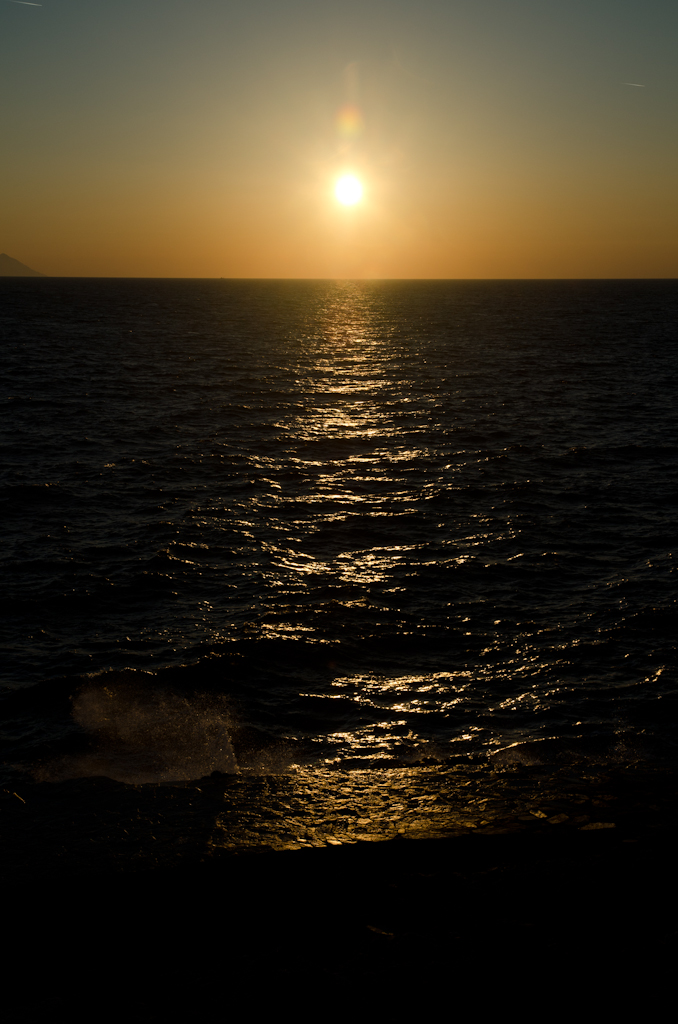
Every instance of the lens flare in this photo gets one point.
(348, 190)
(349, 121)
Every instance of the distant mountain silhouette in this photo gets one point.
(10, 267)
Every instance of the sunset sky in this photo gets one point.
(205, 138)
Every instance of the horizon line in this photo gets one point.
(139, 277)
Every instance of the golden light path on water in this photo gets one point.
(349, 365)
(351, 432)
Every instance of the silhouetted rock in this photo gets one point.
(9, 267)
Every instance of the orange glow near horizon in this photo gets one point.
(485, 144)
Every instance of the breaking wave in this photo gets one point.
(147, 736)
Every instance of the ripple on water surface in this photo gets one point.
(379, 522)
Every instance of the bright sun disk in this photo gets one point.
(348, 190)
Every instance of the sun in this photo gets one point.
(348, 190)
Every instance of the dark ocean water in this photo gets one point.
(259, 524)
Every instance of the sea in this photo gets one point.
(268, 526)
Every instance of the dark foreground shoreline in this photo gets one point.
(122, 901)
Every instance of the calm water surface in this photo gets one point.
(255, 524)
